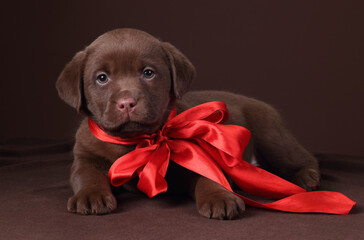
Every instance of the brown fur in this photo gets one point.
(123, 55)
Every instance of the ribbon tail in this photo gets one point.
(292, 198)
(251, 179)
(193, 157)
(258, 182)
(314, 202)
(151, 178)
(125, 167)
(262, 183)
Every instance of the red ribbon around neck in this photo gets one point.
(196, 140)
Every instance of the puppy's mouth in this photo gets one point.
(134, 124)
(132, 129)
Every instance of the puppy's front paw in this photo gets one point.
(222, 205)
(92, 202)
(307, 178)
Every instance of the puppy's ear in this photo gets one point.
(182, 70)
(69, 83)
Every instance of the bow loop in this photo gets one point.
(230, 139)
(215, 112)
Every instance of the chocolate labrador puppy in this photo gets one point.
(128, 81)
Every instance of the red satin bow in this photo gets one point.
(196, 140)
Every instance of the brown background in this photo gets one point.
(303, 57)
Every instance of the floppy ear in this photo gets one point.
(69, 83)
(182, 70)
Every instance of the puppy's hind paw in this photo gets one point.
(307, 178)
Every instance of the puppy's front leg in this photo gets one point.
(214, 201)
(92, 191)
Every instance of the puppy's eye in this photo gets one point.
(102, 79)
(148, 73)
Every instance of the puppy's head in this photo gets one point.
(126, 81)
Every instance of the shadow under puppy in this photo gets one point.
(127, 81)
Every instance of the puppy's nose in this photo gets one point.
(126, 104)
